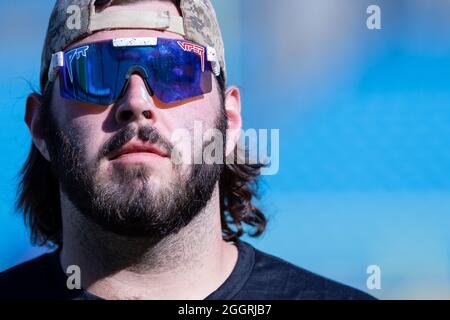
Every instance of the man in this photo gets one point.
(130, 220)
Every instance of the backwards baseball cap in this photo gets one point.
(198, 23)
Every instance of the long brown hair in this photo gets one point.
(39, 201)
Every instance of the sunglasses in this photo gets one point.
(173, 70)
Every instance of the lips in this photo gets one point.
(138, 147)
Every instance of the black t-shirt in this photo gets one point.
(256, 276)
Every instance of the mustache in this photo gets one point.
(126, 134)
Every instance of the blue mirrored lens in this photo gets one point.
(175, 70)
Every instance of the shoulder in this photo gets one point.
(31, 279)
(284, 280)
(24, 271)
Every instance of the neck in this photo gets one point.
(187, 265)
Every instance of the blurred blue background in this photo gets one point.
(364, 132)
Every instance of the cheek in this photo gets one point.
(87, 119)
(203, 112)
(89, 134)
(192, 129)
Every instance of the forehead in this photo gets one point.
(154, 5)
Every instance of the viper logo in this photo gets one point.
(188, 46)
(78, 52)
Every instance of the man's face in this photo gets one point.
(136, 194)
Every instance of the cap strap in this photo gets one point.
(131, 18)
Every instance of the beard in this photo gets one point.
(125, 202)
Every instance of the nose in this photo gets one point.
(136, 103)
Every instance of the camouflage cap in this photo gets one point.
(72, 20)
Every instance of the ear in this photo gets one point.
(233, 111)
(34, 123)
